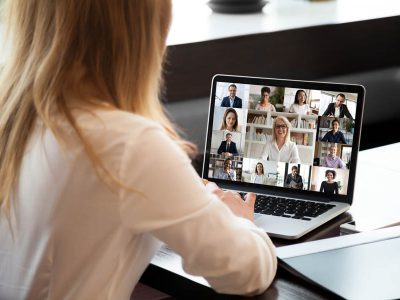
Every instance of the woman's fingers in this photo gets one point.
(234, 200)
(250, 199)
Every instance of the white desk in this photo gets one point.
(193, 20)
(376, 198)
(376, 201)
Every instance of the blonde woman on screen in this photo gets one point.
(281, 148)
(81, 125)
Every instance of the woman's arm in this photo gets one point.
(174, 206)
(342, 138)
(294, 155)
(308, 109)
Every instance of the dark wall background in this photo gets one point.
(365, 52)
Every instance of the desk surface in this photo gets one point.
(378, 174)
(193, 21)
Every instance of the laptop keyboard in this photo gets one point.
(290, 208)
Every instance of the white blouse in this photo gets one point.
(271, 107)
(288, 153)
(299, 109)
(260, 179)
(76, 238)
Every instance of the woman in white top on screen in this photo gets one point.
(264, 103)
(258, 176)
(230, 120)
(280, 148)
(81, 126)
(300, 106)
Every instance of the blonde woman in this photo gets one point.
(281, 148)
(80, 128)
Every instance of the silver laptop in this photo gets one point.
(293, 143)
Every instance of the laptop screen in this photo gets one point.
(284, 136)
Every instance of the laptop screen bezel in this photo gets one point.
(288, 83)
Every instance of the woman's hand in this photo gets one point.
(241, 208)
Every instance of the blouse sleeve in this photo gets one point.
(294, 156)
(336, 188)
(266, 151)
(170, 201)
(343, 140)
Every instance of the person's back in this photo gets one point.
(93, 173)
(69, 239)
(74, 237)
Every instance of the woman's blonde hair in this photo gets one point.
(118, 47)
(288, 125)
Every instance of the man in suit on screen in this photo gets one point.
(338, 109)
(227, 147)
(232, 100)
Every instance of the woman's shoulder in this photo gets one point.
(270, 143)
(115, 121)
(112, 130)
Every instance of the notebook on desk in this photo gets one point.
(358, 266)
(294, 143)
